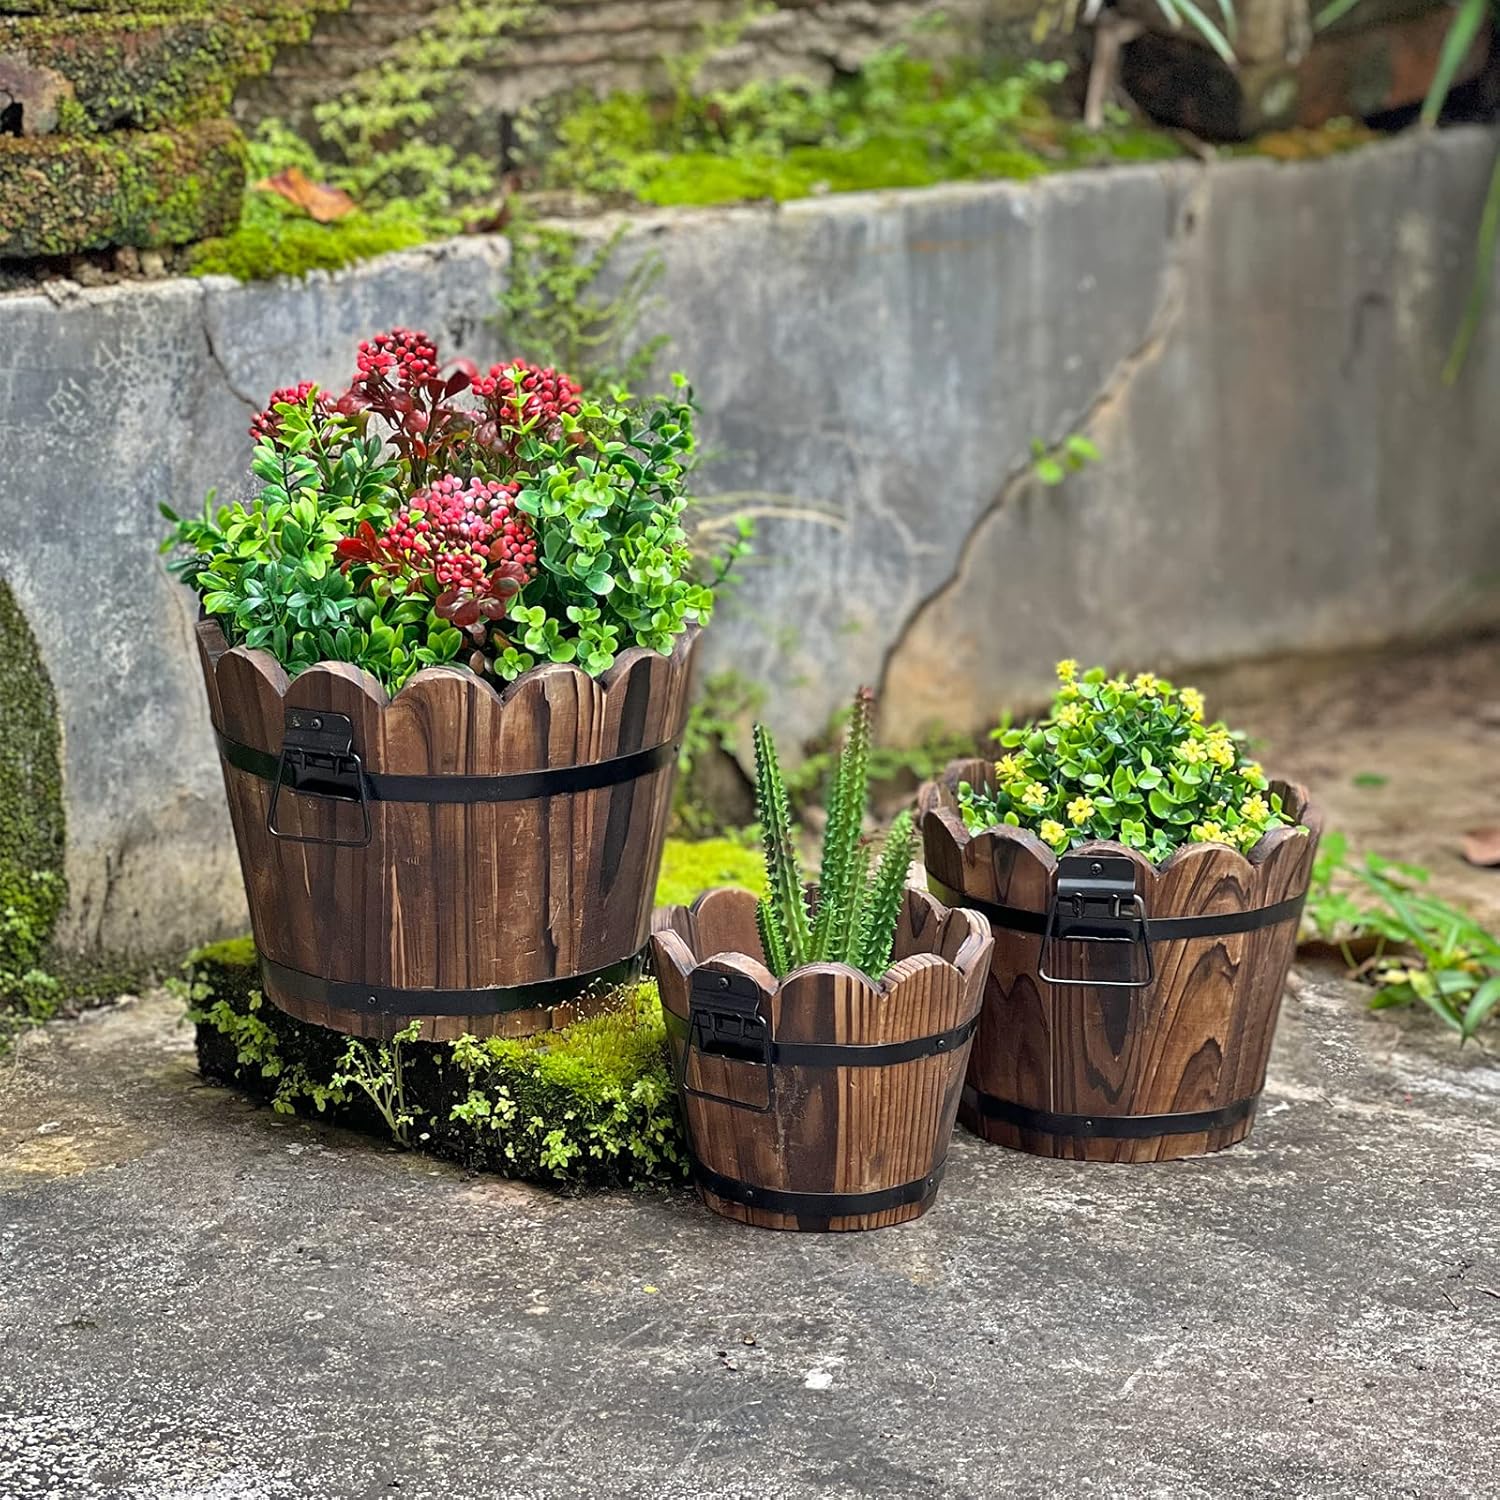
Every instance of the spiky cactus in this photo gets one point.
(857, 908)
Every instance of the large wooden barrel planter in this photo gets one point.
(480, 861)
(1129, 1008)
(822, 1100)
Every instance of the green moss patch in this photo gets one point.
(151, 68)
(63, 194)
(590, 1105)
(32, 888)
(898, 123)
(690, 867)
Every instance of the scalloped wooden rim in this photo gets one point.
(973, 953)
(935, 813)
(275, 675)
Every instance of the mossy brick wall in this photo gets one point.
(114, 126)
(144, 188)
(605, 45)
(32, 889)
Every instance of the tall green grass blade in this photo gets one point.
(1335, 10)
(1461, 33)
(1176, 11)
(1481, 1003)
(1479, 285)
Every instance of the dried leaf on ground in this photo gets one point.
(316, 199)
(1482, 846)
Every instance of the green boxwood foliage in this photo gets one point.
(32, 888)
(592, 1104)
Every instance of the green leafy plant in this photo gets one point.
(548, 306)
(379, 1073)
(1125, 759)
(1052, 465)
(614, 560)
(434, 514)
(1420, 949)
(854, 918)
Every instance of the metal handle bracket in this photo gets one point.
(1096, 902)
(318, 760)
(724, 1022)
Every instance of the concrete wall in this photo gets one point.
(1255, 349)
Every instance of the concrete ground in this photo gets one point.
(201, 1299)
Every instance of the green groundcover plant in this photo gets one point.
(1129, 759)
(1410, 946)
(433, 513)
(858, 901)
(899, 121)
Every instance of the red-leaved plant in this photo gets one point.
(432, 513)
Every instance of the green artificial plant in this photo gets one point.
(853, 919)
(1130, 759)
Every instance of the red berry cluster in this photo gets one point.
(266, 425)
(518, 395)
(405, 354)
(462, 531)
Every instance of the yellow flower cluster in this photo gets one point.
(1125, 758)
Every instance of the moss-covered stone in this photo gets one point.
(149, 69)
(60, 194)
(32, 887)
(591, 1105)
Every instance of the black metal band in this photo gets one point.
(516, 786)
(1158, 929)
(1107, 1127)
(848, 1054)
(377, 1000)
(815, 1205)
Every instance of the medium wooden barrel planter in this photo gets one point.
(1129, 1009)
(476, 860)
(822, 1100)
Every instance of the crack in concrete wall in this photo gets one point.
(1022, 479)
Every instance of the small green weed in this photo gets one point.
(1420, 948)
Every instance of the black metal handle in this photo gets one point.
(724, 1022)
(318, 760)
(1096, 902)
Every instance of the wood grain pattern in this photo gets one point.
(832, 1130)
(1197, 1039)
(454, 895)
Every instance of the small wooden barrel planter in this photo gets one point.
(478, 861)
(821, 1100)
(1129, 1009)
